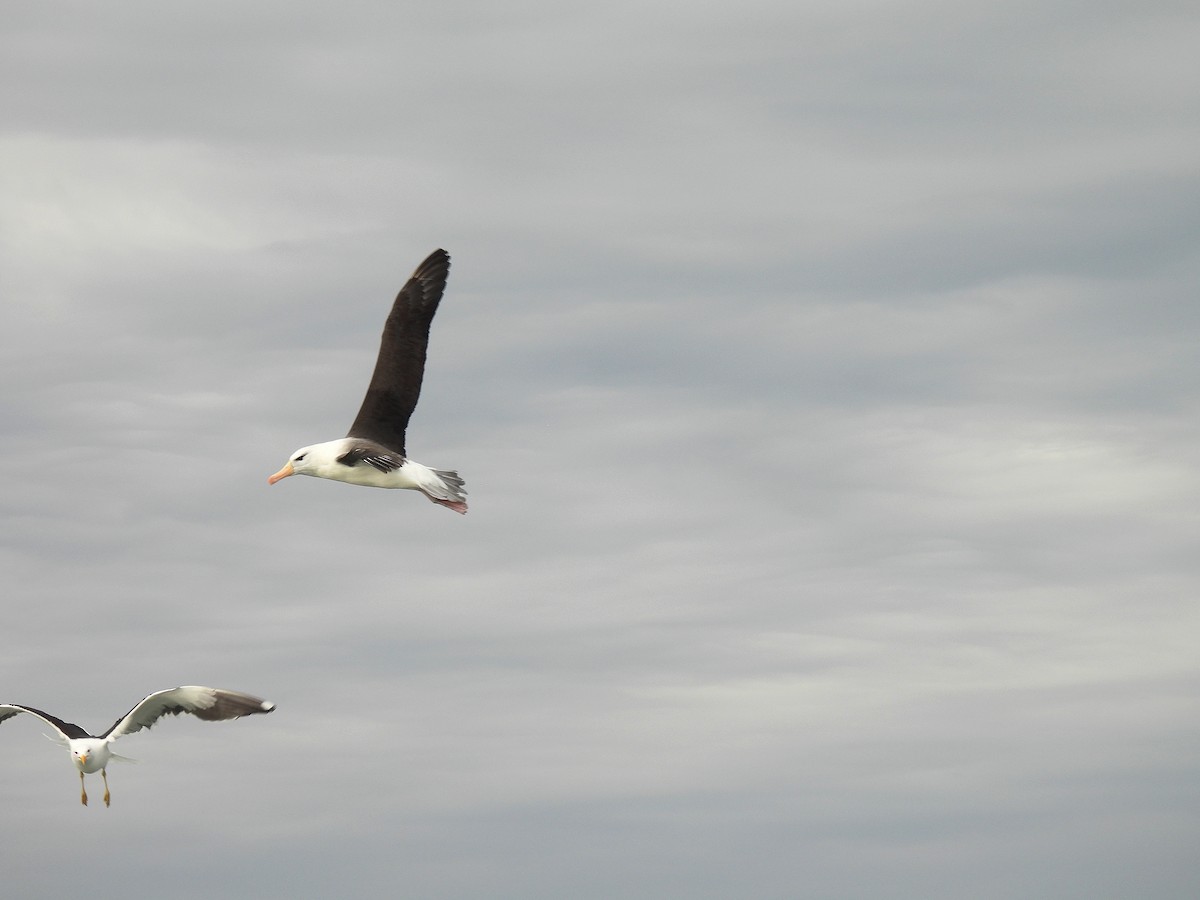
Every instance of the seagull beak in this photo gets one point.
(83, 759)
(282, 473)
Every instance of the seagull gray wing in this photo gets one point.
(210, 704)
(66, 729)
(396, 383)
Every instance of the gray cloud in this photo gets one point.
(822, 379)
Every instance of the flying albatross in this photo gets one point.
(373, 453)
(92, 752)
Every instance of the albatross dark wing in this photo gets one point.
(374, 455)
(210, 704)
(68, 730)
(396, 384)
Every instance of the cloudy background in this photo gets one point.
(824, 377)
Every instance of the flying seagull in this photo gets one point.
(372, 453)
(92, 752)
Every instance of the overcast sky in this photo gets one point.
(824, 379)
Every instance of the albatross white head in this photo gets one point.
(316, 460)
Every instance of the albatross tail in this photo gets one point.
(446, 490)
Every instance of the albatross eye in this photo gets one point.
(300, 458)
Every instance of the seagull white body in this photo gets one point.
(92, 753)
(373, 453)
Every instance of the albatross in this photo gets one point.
(373, 452)
(92, 753)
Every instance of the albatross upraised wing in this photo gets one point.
(210, 704)
(396, 383)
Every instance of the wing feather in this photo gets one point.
(209, 704)
(374, 455)
(66, 729)
(396, 383)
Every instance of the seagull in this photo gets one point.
(92, 752)
(372, 453)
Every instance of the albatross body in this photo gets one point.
(373, 452)
(92, 753)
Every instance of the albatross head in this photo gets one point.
(308, 461)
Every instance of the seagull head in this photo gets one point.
(89, 754)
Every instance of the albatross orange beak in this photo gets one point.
(282, 473)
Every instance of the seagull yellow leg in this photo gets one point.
(104, 775)
(82, 790)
